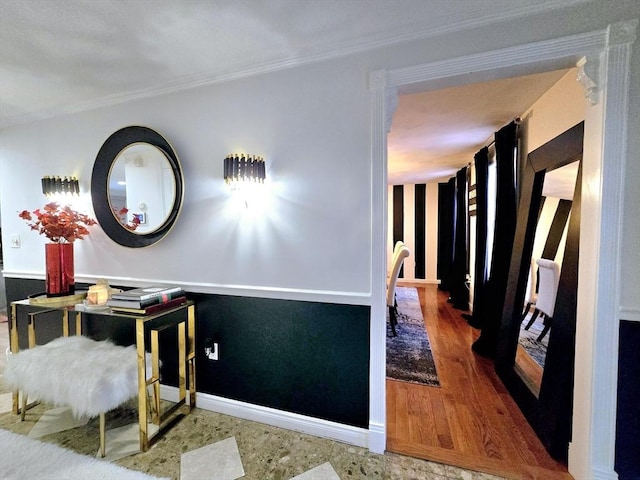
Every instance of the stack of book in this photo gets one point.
(147, 300)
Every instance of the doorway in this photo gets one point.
(456, 422)
(604, 140)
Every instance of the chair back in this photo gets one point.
(396, 249)
(532, 283)
(402, 253)
(549, 274)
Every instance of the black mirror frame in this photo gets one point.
(560, 151)
(107, 154)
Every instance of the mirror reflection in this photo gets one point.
(142, 188)
(544, 273)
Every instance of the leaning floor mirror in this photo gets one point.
(541, 298)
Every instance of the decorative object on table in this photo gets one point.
(62, 226)
(409, 356)
(99, 293)
(147, 300)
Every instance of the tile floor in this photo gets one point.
(206, 445)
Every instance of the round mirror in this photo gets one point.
(136, 187)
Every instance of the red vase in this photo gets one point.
(60, 273)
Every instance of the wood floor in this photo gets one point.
(470, 420)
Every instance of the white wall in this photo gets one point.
(311, 233)
(560, 108)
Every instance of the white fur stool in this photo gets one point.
(91, 377)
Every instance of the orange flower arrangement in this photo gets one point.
(58, 224)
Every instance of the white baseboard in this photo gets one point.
(377, 438)
(277, 418)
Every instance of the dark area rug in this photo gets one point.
(409, 356)
(528, 340)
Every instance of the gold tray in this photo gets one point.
(42, 299)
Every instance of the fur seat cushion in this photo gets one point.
(89, 376)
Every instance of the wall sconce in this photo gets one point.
(60, 186)
(242, 169)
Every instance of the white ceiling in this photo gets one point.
(435, 133)
(65, 56)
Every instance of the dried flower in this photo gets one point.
(58, 224)
(131, 224)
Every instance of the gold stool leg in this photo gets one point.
(153, 402)
(102, 435)
(23, 410)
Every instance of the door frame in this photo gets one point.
(603, 57)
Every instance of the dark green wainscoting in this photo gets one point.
(309, 358)
(302, 357)
(628, 419)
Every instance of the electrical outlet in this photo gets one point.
(211, 350)
(15, 241)
(215, 352)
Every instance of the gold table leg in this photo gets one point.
(182, 362)
(13, 344)
(142, 386)
(191, 329)
(155, 376)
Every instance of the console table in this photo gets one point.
(147, 330)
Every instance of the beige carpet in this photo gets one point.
(26, 458)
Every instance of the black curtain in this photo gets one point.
(458, 282)
(481, 272)
(506, 141)
(446, 233)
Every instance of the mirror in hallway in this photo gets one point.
(549, 244)
(550, 411)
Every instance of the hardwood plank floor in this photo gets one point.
(470, 421)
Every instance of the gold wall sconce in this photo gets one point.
(60, 186)
(242, 169)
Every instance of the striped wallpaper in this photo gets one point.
(413, 218)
